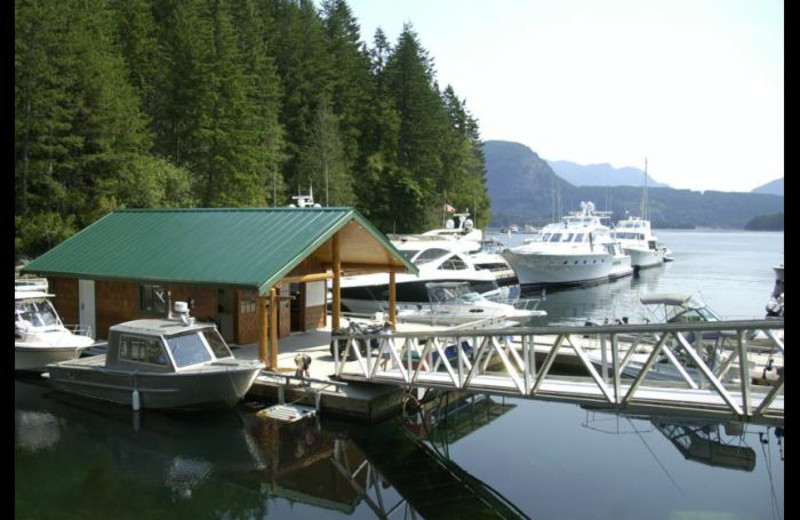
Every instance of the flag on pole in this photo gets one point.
(448, 208)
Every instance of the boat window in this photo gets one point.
(217, 344)
(429, 255)
(142, 350)
(188, 349)
(690, 315)
(36, 313)
(409, 253)
(579, 237)
(568, 237)
(454, 264)
(546, 237)
(556, 237)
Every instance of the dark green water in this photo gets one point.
(487, 458)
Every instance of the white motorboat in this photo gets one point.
(366, 294)
(40, 336)
(764, 360)
(775, 304)
(572, 252)
(639, 242)
(452, 303)
(173, 362)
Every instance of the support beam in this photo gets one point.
(262, 344)
(392, 299)
(336, 304)
(304, 278)
(273, 326)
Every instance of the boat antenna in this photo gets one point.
(644, 193)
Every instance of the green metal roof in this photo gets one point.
(243, 247)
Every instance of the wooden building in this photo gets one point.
(251, 270)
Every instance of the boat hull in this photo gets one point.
(546, 269)
(644, 258)
(218, 384)
(36, 358)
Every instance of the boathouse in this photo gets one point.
(259, 273)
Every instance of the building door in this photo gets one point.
(86, 307)
(225, 308)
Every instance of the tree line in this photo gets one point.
(230, 103)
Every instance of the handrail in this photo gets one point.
(696, 357)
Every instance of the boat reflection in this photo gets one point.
(235, 463)
(717, 444)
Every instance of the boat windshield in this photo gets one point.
(188, 349)
(696, 314)
(217, 344)
(472, 297)
(36, 313)
(429, 255)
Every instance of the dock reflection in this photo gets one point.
(233, 463)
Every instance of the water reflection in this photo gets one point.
(234, 464)
(718, 444)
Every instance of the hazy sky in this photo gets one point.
(696, 86)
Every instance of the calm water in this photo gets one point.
(485, 458)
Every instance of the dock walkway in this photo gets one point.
(518, 362)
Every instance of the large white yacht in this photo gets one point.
(578, 250)
(436, 261)
(459, 235)
(639, 242)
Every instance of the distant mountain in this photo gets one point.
(601, 175)
(524, 189)
(521, 185)
(773, 188)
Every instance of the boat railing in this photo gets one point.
(528, 304)
(617, 363)
(79, 330)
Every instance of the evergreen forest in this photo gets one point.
(230, 103)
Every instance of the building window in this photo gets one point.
(153, 298)
(247, 303)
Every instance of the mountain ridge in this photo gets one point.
(523, 188)
(601, 174)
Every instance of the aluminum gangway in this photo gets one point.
(691, 368)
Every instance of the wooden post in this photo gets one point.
(337, 297)
(273, 325)
(392, 299)
(262, 344)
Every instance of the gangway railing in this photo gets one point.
(692, 368)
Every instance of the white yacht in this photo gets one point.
(459, 235)
(490, 258)
(436, 261)
(572, 252)
(40, 336)
(638, 241)
(459, 228)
